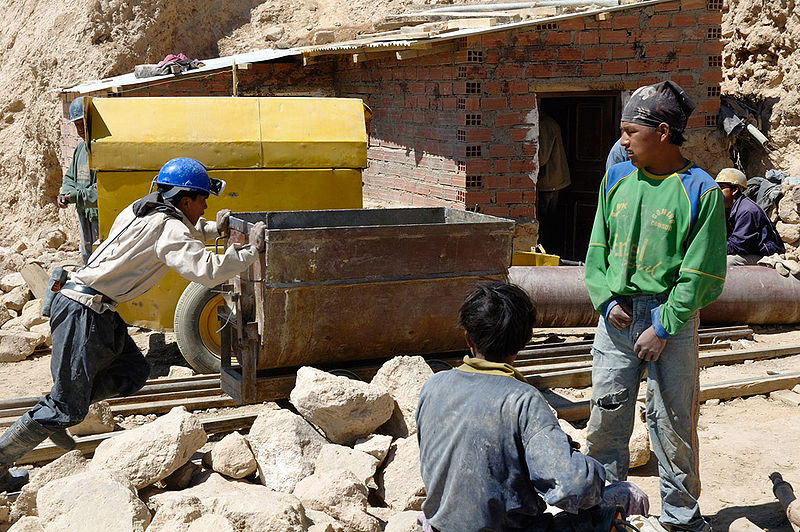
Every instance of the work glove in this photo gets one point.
(782, 264)
(256, 236)
(223, 217)
(62, 200)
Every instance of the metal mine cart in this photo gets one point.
(348, 289)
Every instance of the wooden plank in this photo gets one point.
(36, 278)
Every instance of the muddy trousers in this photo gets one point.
(94, 358)
(671, 406)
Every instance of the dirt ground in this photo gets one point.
(742, 441)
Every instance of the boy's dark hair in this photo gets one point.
(191, 194)
(498, 318)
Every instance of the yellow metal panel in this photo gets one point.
(530, 258)
(246, 190)
(223, 133)
(313, 133)
(144, 133)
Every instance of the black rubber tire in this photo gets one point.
(191, 305)
(438, 365)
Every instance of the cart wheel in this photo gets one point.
(438, 365)
(196, 327)
(345, 373)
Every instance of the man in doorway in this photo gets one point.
(751, 234)
(553, 178)
(94, 357)
(656, 256)
(79, 185)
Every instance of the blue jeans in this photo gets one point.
(672, 409)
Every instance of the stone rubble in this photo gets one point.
(403, 378)
(100, 419)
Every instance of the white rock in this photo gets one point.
(323, 37)
(180, 371)
(403, 378)
(91, 501)
(151, 452)
(639, 445)
(403, 522)
(334, 457)
(232, 457)
(787, 210)
(399, 482)
(99, 420)
(376, 445)
(790, 233)
(11, 281)
(44, 330)
(175, 515)
(16, 298)
(181, 477)
(249, 507)
(32, 314)
(273, 33)
(344, 409)
(5, 315)
(322, 522)
(66, 465)
(52, 238)
(18, 345)
(27, 524)
(5, 507)
(341, 495)
(211, 523)
(14, 324)
(285, 446)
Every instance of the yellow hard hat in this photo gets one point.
(732, 176)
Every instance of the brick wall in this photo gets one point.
(459, 128)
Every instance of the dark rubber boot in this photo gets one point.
(21, 437)
(63, 439)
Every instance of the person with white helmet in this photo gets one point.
(94, 357)
(751, 234)
(79, 185)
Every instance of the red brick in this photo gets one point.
(493, 88)
(479, 135)
(477, 196)
(500, 166)
(711, 48)
(658, 21)
(623, 52)
(671, 6)
(521, 182)
(616, 67)
(670, 35)
(509, 72)
(542, 54)
(625, 21)
(528, 39)
(521, 165)
(697, 121)
(518, 87)
(710, 18)
(683, 81)
(613, 36)
(711, 76)
(708, 106)
(571, 24)
(494, 210)
(521, 211)
(509, 196)
(518, 54)
(569, 54)
(490, 40)
(473, 104)
(529, 196)
(591, 69)
(558, 39)
(496, 181)
(683, 20)
(686, 50)
(494, 104)
(478, 166)
(688, 5)
(594, 53)
(497, 151)
(523, 102)
(507, 119)
(477, 71)
(539, 71)
(690, 63)
(587, 37)
(519, 135)
(491, 57)
(657, 50)
(637, 67)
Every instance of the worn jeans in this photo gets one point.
(671, 405)
(93, 358)
(90, 232)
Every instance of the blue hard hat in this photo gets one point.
(184, 173)
(76, 109)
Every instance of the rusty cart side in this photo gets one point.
(339, 288)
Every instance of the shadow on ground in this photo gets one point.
(769, 516)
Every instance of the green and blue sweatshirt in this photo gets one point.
(81, 183)
(654, 234)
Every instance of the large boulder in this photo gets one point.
(232, 457)
(10, 281)
(52, 238)
(91, 501)
(285, 446)
(334, 457)
(249, 507)
(184, 514)
(27, 524)
(403, 378)
(5, 315)
(16, 298)
(342, 496)
(344, 409)
(16, 345)
(99, 420)
(376, 445)
(32, 314)
(66, 465)
(322, 522)
(149, 453)
(400, 482)
(42, 329)
(403, 522)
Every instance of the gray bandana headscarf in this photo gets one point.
(662, 102)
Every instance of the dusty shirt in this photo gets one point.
(554, 168)
(81, 183)
(491, 453)
(140, 250)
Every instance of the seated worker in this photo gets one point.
(491, 450)
(94, 357)
(751, 235)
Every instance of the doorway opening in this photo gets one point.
(589, 126)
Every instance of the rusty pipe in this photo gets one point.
(785, 494)
(752, 295)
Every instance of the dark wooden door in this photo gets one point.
(589, 128)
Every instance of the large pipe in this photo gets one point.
(784, 493)
(752, 295)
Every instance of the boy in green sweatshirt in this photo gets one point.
(656, 256)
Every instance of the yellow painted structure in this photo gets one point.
(274, 154)
(532, 258)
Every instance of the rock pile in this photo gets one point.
(22, 327)
(349, 462)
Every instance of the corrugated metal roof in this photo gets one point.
(217, 63)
